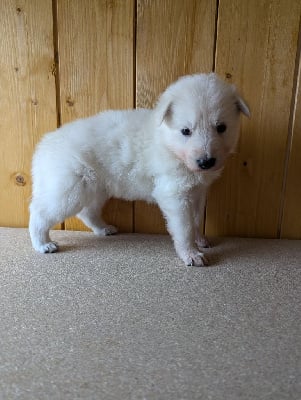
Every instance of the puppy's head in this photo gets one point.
(199, 120)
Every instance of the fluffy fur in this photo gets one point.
(168, 155)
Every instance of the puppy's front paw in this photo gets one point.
(50, 247)
(196, 259)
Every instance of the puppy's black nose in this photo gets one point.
(206, 163)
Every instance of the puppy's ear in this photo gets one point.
(167, 116)
(242, 106)
(164, 108)
(164, 112)
(240, 103)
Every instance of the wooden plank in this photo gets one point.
(96, 70)
(174, 38)
(256, 49)
(27, 101)
(291, 223)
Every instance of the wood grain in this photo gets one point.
(27, 101)
(96, 70)
(174, 38)
(291, 222)
(254, 46)
(256, 49)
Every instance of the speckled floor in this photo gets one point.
(122, 318)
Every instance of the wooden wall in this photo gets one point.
(63, 59)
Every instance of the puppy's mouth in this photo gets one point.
(215, 170)
(208, 171)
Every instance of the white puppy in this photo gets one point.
(168, 155)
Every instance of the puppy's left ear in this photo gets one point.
(241, 103)
(242, 106)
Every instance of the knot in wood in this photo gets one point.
(20, 180)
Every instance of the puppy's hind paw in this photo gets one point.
(110, 230)
(106, 230)
(203, 242)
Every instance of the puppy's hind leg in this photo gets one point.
(91, 217)
(46, 210)
(39, 225)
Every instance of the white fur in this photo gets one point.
(138, 154)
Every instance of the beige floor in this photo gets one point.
(122, 318)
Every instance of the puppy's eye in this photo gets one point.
(186, 132)
(221, 128)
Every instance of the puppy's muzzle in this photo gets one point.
(206, 163)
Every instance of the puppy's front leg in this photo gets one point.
(180, 224)
(199, 196)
